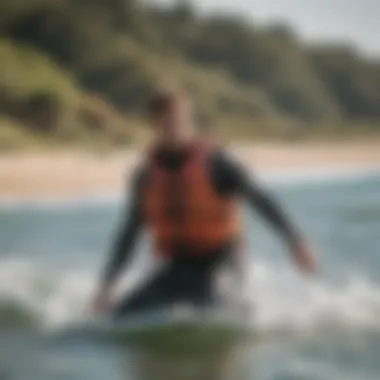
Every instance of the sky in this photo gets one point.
(351, 21)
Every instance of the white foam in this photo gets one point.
(55, 297)
(282, 299)
(287, 300)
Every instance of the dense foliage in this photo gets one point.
(80, 69)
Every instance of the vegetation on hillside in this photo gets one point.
(79, 70)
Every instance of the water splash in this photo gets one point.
(282, 299)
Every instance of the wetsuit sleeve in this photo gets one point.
(128, 232)
(231, 178)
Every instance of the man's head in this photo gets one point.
(170, 115)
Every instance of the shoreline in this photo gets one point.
(36, 176)
(292, 178)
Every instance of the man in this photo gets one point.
(186, 196)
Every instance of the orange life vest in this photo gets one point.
(182, 209)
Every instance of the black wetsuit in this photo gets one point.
(186, 278)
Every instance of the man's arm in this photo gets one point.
(273, 213)
(124, 242)
(123, 245)
(233, 179)
(270, 210)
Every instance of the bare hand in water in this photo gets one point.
(304, 258)
(101, 302)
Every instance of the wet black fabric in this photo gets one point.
(183, 281)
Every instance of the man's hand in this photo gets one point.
(102, 300)
(304, 258)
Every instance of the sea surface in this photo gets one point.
(321, 328)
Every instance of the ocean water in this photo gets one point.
(323, 328)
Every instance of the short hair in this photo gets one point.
(161, 100)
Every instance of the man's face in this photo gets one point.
(173, 124)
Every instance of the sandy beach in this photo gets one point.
(37, 175)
